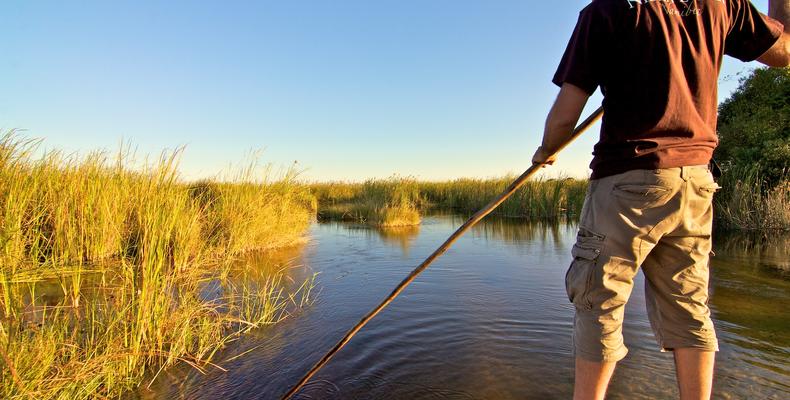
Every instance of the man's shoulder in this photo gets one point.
(613, 4)
(607, 7)
(629, 9)
(618, 5)
(604, 10)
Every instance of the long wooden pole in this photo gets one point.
(473, 220)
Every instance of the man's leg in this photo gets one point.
(679, 314)
(676, 289)
(619, 213)
(592, 379)
(695, 373)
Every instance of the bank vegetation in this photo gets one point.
(104, 267)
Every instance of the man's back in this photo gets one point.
(658, 64)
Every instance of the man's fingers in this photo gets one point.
(543, 164)
(541, 157)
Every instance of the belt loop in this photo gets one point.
(685, 173)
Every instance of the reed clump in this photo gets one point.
(131, 252)
(392, 202)
(335, 193)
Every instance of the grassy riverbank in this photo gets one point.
(130, 253)
(754, 151)
(538, 200)
(746, 202)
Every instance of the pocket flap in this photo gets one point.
(643, 190)
(587, 253)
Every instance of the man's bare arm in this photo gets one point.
(560, 123)
(779, 54)
(780, 11)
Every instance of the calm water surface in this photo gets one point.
(489, 320)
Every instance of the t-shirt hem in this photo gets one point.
(602, 171)
(585, 86)
(777, 29)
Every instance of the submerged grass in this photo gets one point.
(131, 252)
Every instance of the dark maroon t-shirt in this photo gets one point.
(658, 64)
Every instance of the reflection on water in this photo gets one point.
(750, 291)
(401, 236)
(256, 268)
(770, 250)
(489, 320)
(514, 231)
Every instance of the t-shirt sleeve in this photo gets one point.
(751, 33)
(581, 65)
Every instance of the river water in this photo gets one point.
(488, 320)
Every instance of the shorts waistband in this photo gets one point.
(684, 172)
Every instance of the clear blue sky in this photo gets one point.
(349, 89)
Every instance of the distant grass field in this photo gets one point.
(399, 201)
(537, 200)
(129, 253)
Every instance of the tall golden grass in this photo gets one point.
(744, 203)
(392, 202)
(131, 252)
(539, 199)
(399, 201)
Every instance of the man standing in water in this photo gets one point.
(649, 201)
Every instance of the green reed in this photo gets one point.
(131, 251)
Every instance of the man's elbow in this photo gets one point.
(567, 108)
(562, 124)
(779, 54)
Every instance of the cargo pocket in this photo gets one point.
(580, 275)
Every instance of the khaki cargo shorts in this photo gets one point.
(659, 220)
